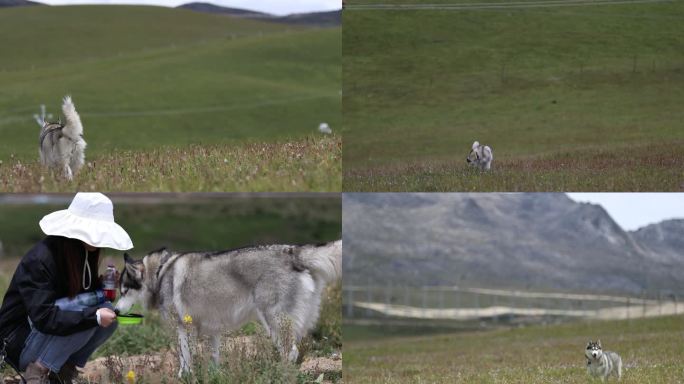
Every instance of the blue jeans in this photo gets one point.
(53, 351)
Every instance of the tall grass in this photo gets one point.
(310, 164)
(638, 168)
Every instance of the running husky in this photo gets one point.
(602, 363)
(62, 146)
(219, 291)
(480, 156)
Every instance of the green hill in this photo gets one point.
(548, 88)
(147, 77)
(192, 222)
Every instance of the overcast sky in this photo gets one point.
(635, 210)
(278, 7)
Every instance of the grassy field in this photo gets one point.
(651, 351)
(151, 78)
(569, 98)
(313, 163)
(207, 222)
(654, 167)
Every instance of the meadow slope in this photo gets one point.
(539, 85)
(651, 351)
(145, 78)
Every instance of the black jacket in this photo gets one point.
(38, 282)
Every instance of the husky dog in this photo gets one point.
(61, 145)
(602, 363)
(278, 285)
(480, 156)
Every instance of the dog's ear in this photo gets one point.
(475, 145)
(599, 343)
(132, 264)
(134, 267)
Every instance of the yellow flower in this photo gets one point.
(130, 376)
(187, 319)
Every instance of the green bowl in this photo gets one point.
(130, 319)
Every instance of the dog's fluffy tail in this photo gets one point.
(72, 127)
(324, 261)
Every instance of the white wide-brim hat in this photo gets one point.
(89, 218)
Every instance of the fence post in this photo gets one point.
(628, 302)
(369, 299)
(660, 304)
(596, 310)
(388, 297)
(407, 300)
(457, 298)
(424, 298)
(643, 300)
(494, 304)
(441, 298)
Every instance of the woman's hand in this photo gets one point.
(107, 317)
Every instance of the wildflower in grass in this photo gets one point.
(187, 319)
(130, 376)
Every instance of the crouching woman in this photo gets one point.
(47, 325)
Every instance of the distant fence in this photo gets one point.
(497, 305)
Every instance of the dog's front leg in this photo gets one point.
(216, 348)
(185, 357)
(293, 354)
(67, 172)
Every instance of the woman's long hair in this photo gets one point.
(72, 264)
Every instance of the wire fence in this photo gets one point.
(492, 306)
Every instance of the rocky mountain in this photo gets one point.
(539, 241)
(664, 240)
(17, 3)
(321, 19)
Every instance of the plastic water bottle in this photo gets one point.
(109, 283)
(81, 301)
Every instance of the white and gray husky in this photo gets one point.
(62, 146)
(480, 156)
(220, 291)
(602, 363)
